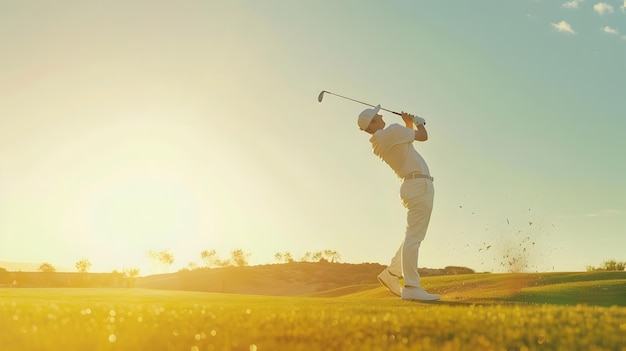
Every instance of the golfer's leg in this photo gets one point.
(419, 204)
(395, 267)
(410, 250)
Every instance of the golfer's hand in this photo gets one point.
(408, 119)
(419, 121)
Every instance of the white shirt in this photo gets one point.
(394, 145)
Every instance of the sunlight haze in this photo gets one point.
(188, 126)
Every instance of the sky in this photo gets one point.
(129, 126)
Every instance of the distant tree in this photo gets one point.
(307, 257)
(83, 265)
(278, 257)
(287, 257)
(239, 257)
(192, 265)
(164, 258)
(283, 257)
(332, 255)
(131, 272)
(317, 256)
(224, 263)
(47, 268)
(613, 265)
(130, 276)
(610, 265)
(209, 258)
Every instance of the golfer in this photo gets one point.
(394, 145)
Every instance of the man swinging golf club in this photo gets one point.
(394, 145)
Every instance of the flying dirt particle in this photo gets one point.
(507, 221)
(530, 223)
(460, 206)
(488, 247)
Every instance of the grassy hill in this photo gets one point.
(325, 279)
(599, 288)
(297, 278)
(592, 289)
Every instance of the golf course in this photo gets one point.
(312, 175)
(513, 311)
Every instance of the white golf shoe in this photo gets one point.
(391, 282)
(416, 293)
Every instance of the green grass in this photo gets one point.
(478, 312)
(596, 288)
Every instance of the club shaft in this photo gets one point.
(361, 102)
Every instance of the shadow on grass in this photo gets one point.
(460, 303)
(457, 303)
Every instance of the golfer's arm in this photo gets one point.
(420, 133)
(409, 122)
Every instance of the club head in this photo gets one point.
(321, 96)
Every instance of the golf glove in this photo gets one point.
(419, 121)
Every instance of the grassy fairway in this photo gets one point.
(502, 317)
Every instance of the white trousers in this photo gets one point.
(417, 196)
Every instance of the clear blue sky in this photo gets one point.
(190, 125)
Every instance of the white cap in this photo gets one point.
(365, 118)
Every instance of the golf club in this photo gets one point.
(321, 96)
